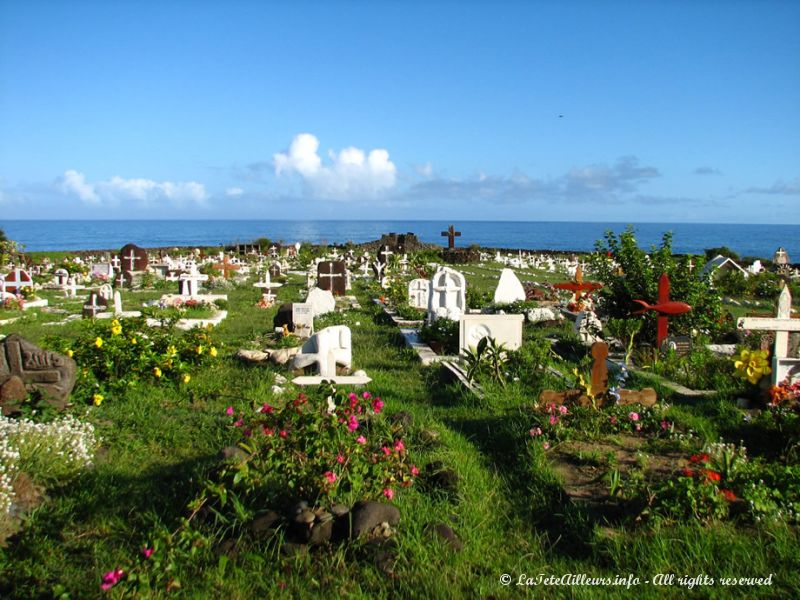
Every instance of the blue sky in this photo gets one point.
(596, 111)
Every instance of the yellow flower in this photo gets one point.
(187, 378)
(133, 341)
(199, 349)
(116, 328)
(70, 353)
(157, 372)
(172, 351)
(97, 399)
(752, 365)
(98, 342)
(213, 352)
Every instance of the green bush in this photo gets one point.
(442, 333)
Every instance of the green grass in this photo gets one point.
(509, 510)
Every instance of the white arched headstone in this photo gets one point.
(448, 295)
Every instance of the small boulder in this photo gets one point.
(281, 356)
(265, 524)
(367, 515)
(252, 356)
(446, 533)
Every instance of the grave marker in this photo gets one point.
(451, 234)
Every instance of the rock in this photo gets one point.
(588, 328)
(252, 356)
(280, 379)
(13, 391)
(402, 418)
(51, 373)
(339, 510)
(321, 531)
(294, 549)
(446, 533)
(276, 389)
(322, 301)
(429, 436)
(544, 315)
(645, 397)
(234, 454)
(281, 356)
(265, 524)
(369, 514)
(509, 289)
(440, 477)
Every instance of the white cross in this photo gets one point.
(131, 259)
(121, 279)
(387, 252)
(450, 289)
(330, 275)
(93, 308)
(782, 324)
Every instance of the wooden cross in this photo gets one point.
(599, 368)
(577, 286)
(664, 307)
(330, 274)
(451, 235)
(782, 324)
(226, 267)
(131, 258)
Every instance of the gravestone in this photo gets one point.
(133, 258)
(16, 280)
(509, 289)
(303, 319)
(587, 327)
(322, 301)
(331, 276)
(274, 270)
(418, 293)
(783, 365)
(451, 234)
(448, 298)
(61, 277)
(102, 270)
(190, 282)
(383, 254)
(680, 344)
(94, 305)
(599, 368)
(327, 348)
(49, 372)
(506, 330)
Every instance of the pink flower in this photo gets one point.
(283, 433)
(546, 445)
(238, 423)
(361, 440)
(340, 459)
(551, 408)
(388, 492)
(366, 395)
(553, 419)
(352, 397)
(562, 409)
(633, 416)
(147, 552)
(613, 420)
(535, 431)
(267, 409)
(352, 423)
(665, 425)
(414, 470)
(377, 405)
(229, 411)
(638, 427)
(399, 445)
(111, 579)
(268, 431)
(330, 476)
(386, 451)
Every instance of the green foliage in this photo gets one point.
(113, 355)
(701, 369)
(625, 330)
(638, 280)
(487, 360)
(731, 282)
(533, 356)
(477, 298)
(721, 251)
(442, 333)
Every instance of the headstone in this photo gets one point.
(274, 270)
(226, 267)
(418, 293)
(102, 270)
(326, 349)
(680, 344)
(448, 297)
(544, 314)
(16, 280)
(190, 282)
(505, 329)
(509, 289)
(331, 276)
(781, 257)
(383, 254)
(51, 373)
(94, 305)
(133, 258)
(303, 319)
(451, 235)
(61, 277)
(783, 365)
(321, 300)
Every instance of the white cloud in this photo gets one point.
(234, 191)
(143, 191)
(350, 174)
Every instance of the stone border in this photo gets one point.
(186, 324)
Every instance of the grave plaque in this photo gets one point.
(303, 319)
(680, 344)
(133, 258)
(331, 276)
(50, 372)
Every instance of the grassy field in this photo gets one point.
(508, 505)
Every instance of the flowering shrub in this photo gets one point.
(13, 302)
(785, 394)
(751, 365)
(113, 355)
(336, 448)
(47, 452)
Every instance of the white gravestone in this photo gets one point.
(326, 349)
(190, 282)
(322, 301)
(418, 292)
(303, 319)
(509, 289)
(783, 366)
(448, 296)
(505, 329)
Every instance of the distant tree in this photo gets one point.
(721, 251)
(3, 237)
(731, 283)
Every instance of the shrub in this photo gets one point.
(442, 333)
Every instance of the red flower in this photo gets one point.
(711, 475)
(729, 495)
(687, 473)
(703, 458)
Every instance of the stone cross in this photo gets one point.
(121, 279)
(384, 254)
(782, 324)
(93, 308)
(451, 235)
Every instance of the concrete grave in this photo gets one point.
(303, 319)
(419, 291)
(327, 348)
(50, 372)
(331, 276)
(448, 298)
(322, 301)
(505, 329)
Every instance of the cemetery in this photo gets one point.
(394, 420)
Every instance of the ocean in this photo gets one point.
(688, 238)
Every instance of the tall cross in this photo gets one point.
(577, 286)
(131, 258)
(451, 235)
(226, 267)
(782, 324)
(385, 252)
(664, 307)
